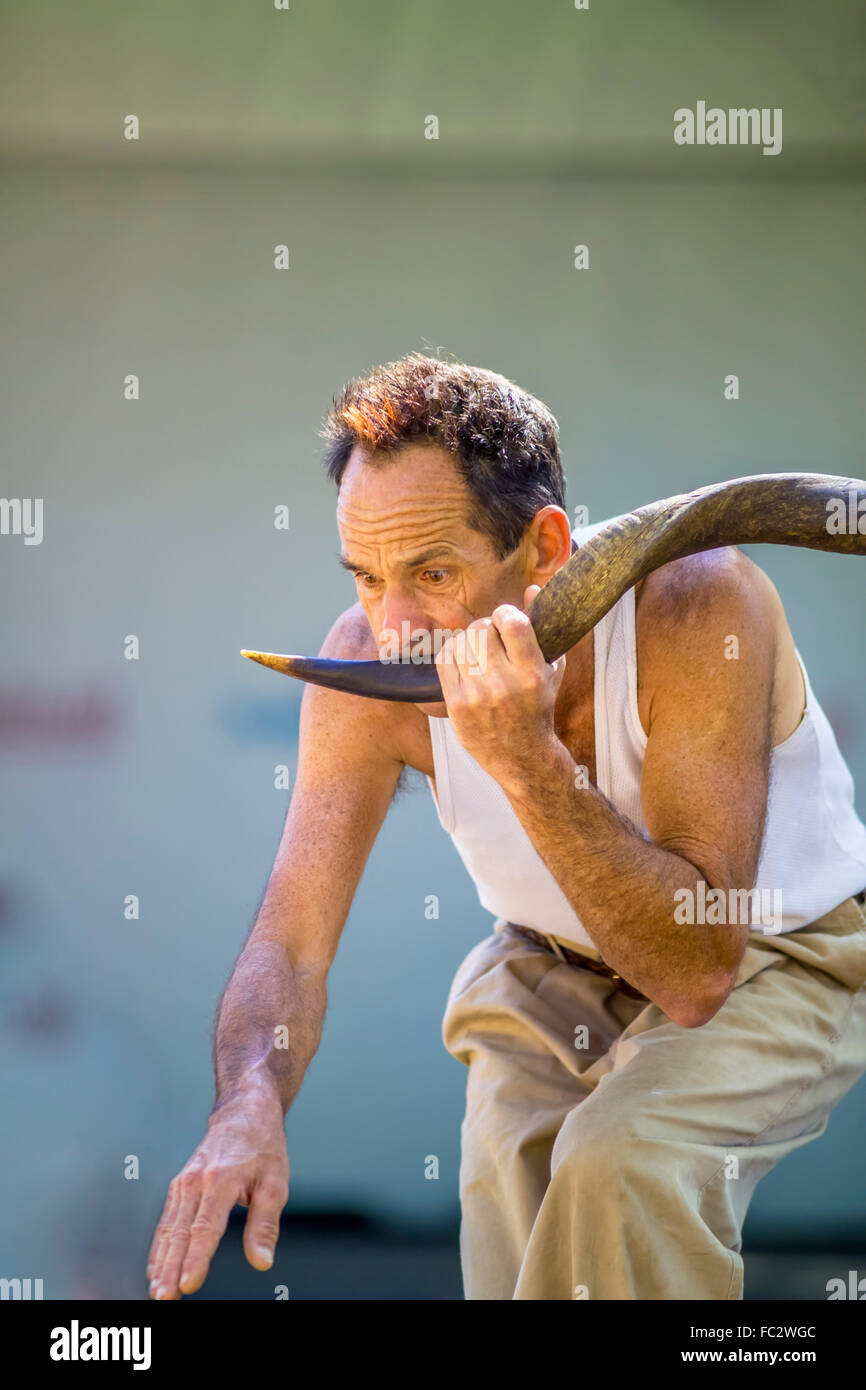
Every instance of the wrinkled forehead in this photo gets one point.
(413, 499)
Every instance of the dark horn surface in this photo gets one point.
(770, 508)
(377, 679)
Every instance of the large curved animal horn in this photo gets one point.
(815, 510)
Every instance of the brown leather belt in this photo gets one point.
(598, 967)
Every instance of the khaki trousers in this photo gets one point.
(609, 1153)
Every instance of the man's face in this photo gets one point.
(415, 560)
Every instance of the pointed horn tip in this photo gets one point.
(271, 659)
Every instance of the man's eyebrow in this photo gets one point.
(422, 558)
(434, 552)
(350, 565)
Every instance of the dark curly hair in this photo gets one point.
(504, 441)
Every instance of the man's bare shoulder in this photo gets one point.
(351, 638)
(703, 617)
(676, 601)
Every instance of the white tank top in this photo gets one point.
(814, 847)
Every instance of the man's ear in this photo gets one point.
(551, 543)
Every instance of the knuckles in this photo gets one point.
(508, 614)
(180, 1235)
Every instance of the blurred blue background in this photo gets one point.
(155, 777)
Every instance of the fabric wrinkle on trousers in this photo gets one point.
(610, 1153)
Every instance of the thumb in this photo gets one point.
(262, 1228)
(530, 594)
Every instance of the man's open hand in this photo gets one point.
(242, 1159)
(500, 691)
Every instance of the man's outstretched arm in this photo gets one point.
(270, 1017)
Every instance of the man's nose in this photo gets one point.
(398, 609)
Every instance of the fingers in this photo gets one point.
(466, 655)
(517, 635)
(163, 1228)
(503, 648)
(173, 1246)
(194, 1222)
(448, 671)
(263, 1220)
(481, 642)
(191, 1228)
(206, 1232)
(242, 1159)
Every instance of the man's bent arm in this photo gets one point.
(623, 888)
(703, 784)
(703, 791)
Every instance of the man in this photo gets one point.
(640, 1049)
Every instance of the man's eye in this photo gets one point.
(436, 576)
(368, 579)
